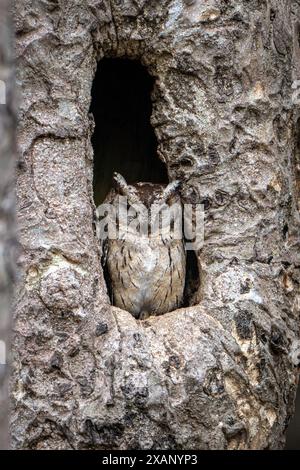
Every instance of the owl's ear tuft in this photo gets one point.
(120, 184)
(171, 189)
(125, 189)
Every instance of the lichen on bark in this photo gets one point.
(218, 375)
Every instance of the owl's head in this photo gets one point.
(147, 193)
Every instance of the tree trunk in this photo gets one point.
(7, 206)
(221, 374)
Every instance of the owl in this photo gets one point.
(145, 266)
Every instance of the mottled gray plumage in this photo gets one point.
(146, 274)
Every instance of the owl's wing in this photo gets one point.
(106, 274)
(103, 241)
(104, 252)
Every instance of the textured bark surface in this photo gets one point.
(219, 375)
(7, 205)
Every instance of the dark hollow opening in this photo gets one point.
(192, 280)
(123, 140)
(292, 440)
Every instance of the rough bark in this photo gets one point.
(7, 206)
(221, 374)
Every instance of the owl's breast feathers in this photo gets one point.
(147, 277)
